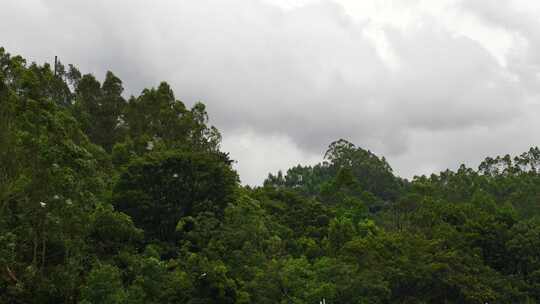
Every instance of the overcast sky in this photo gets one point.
(427, 84)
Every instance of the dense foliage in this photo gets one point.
(105, 199)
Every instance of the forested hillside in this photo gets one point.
(111, 200)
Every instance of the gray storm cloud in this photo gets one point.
(428, 93)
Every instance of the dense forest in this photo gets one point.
(105, 199)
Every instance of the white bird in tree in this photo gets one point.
(43, 204)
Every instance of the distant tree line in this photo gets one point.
(107, 199)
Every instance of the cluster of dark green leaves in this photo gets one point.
(93, 187)
(106, 199)
(468, 236)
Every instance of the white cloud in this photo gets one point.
(260, 155)
(428, 84)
